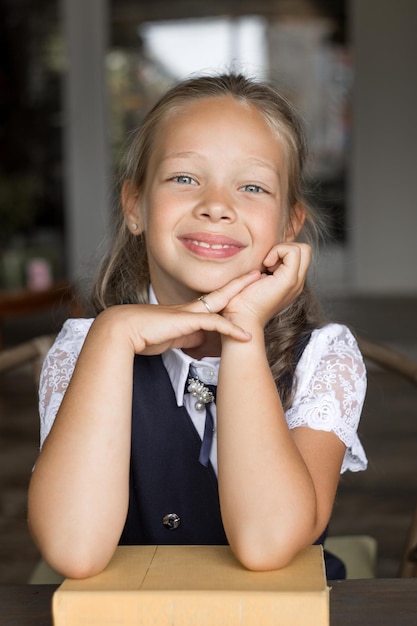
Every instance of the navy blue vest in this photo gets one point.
(165, 475)
(166, 478)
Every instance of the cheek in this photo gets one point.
(153, 217)
(162, 209)
(273, 228)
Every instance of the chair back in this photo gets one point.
(406, 367)
(33, 351)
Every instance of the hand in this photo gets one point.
(287, 264)
(153, 329)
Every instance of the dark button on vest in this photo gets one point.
(171, 521)
(165, 474)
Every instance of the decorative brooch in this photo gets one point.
(199, 391)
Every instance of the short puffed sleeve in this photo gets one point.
(57, 370)
(330, 381)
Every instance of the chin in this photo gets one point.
(209, 285)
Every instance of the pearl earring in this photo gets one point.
(134, 226)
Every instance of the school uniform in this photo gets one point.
(173, 498)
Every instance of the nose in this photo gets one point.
(216, 204)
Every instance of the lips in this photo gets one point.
(211, 245)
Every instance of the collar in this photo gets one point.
(179, 365)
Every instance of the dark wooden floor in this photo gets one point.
(378, 502)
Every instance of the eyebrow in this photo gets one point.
(262, 163)
(249, 161)
(181, 155)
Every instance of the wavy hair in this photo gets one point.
(123, 275)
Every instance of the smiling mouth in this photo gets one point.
(213, 246)
(210, 245)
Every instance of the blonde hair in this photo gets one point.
(123, 275)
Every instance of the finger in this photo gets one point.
(186, 331)
(189, 341)
(295, 255)
(217, 323)
(217, 300)
(278, 253)
(306, 254)
(206, 304)
(183, 342)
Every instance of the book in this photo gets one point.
(195, 585)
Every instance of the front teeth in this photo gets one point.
(213, 246)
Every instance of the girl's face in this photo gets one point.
(212, 206)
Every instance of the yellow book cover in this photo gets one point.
(195, 586)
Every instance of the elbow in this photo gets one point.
(258, 555)
(72, 559)
(274, 550)
(74, 564)
(272, 546)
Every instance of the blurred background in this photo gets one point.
(77, 76)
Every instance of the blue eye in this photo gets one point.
(182, 179)
(252, 188)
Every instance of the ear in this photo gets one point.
(131, 208)
(296, 222)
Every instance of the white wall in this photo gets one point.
(382, 216)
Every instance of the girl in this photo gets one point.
(211, 213)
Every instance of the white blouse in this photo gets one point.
(330, 383)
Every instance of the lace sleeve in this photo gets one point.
(57, 370)
(331, 387)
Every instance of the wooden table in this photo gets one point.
(375, 602)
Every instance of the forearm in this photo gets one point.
(78, 495)
(266, 492)
(79, 492)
